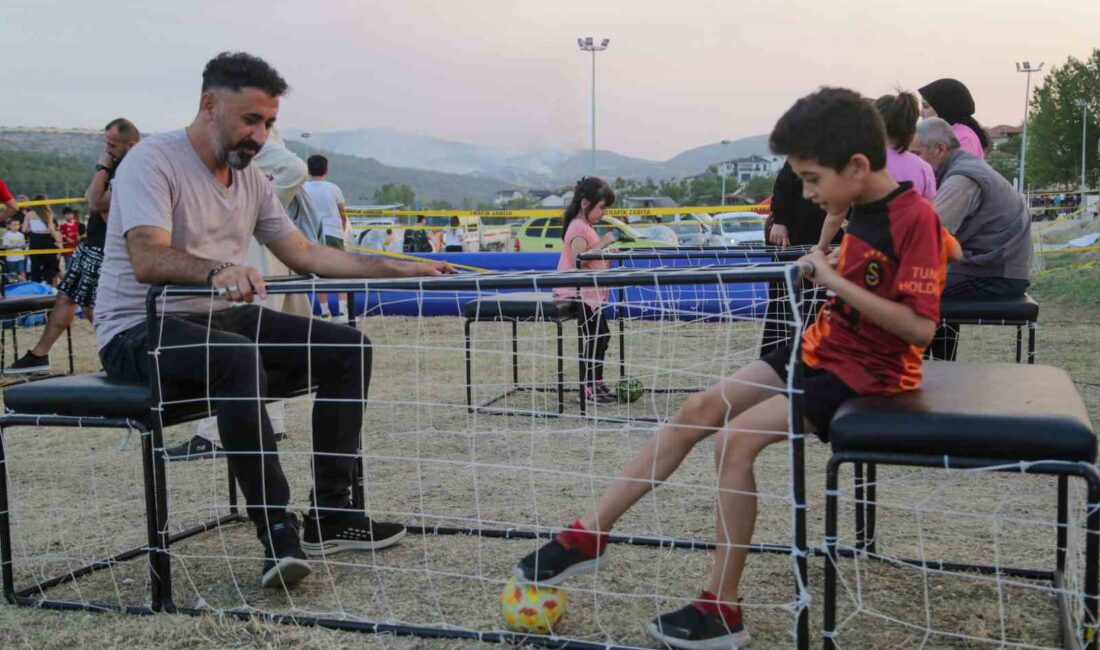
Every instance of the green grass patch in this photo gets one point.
(1077, 283)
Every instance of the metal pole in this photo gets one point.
(1023, 143)
(723, 188)
(1084, 127)
(593, 112)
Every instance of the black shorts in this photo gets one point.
(823, 392)
(82, 275)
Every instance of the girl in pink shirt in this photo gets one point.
(900, 113)
(950, 99)
(591, 198)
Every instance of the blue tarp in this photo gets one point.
(685, 301)
(28, 289)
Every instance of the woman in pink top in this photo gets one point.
(951, 100)
(591, 198)
(900, 112)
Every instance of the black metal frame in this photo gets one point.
(156, 496)
(865, 501)
(1031, 326)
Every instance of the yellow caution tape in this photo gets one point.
(44, 251)
(555, 212)
(32, 204)
(1058, 251)
(413, 258)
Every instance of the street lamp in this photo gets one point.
(1084, 106)
(587, 44)
(1025, 67)
(724, 142)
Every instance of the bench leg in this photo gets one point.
(622, 349)
(5, 527)
(869, 508)
(1063, 523)
(828, 628)
(515, 354)
(1092, 560)
(1019, 343)
(861, 522)
(159, 558)
(580, 365)
(153, 523)
(561, 369)
(469, 372)
(1031, 342)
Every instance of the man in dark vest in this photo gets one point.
(985, 214)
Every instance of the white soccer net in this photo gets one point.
(480, 480)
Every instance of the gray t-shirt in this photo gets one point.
(162, 182)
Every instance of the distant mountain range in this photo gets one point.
(533, 168)
(364, 159)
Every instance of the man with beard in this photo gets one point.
(78, 287)
(185, 207)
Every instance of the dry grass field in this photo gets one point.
(75, 495)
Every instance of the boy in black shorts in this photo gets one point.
(866, 340)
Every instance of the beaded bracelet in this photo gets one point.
(216, 270)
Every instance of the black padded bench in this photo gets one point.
(15, 308)
(1009, 417)
(1019, 312)
(515, 308)
(94, 401)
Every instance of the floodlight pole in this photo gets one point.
(588, 44)
(724, 142)
(305, 139)
(1026, 68)
(1084, 127)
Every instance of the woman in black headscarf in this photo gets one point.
(951, 100)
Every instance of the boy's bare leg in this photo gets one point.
(60, 317)
(700, 416)
(735, 452)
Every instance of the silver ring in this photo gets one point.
(232, 287)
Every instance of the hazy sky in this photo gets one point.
(679, 73)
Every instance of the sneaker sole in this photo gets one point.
(288, 572)
(26, 371)
(340, 545)
(727, 642)
(580, 568)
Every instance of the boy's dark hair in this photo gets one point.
(318, 165)
(899, 113)
(236, 70)
(591, 188)
(829, 127)
(67, 211)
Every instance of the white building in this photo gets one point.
(742, 169)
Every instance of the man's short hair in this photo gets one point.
(236, 70)
(318, 165)
(829, 127)
(126, 129)
(67, 210)
(935, 130)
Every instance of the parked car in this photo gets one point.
(738, 228)
(374, 235)
(544, 234)
(480, 234)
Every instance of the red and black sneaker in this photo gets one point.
(574, 551)
(705, 624)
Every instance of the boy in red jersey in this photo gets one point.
(866, 340)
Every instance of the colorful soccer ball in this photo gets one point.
(629, 389)
(531, 609)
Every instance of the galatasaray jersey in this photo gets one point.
(895, 249)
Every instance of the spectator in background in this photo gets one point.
(41, 229)
(900, 113)
(71, 230)
(14, 265)
(796, 221)
(11, 208)
(81, 280)
(453, 237)
(988, 218)
(416, 239)
(329, 201)
(951, 101)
